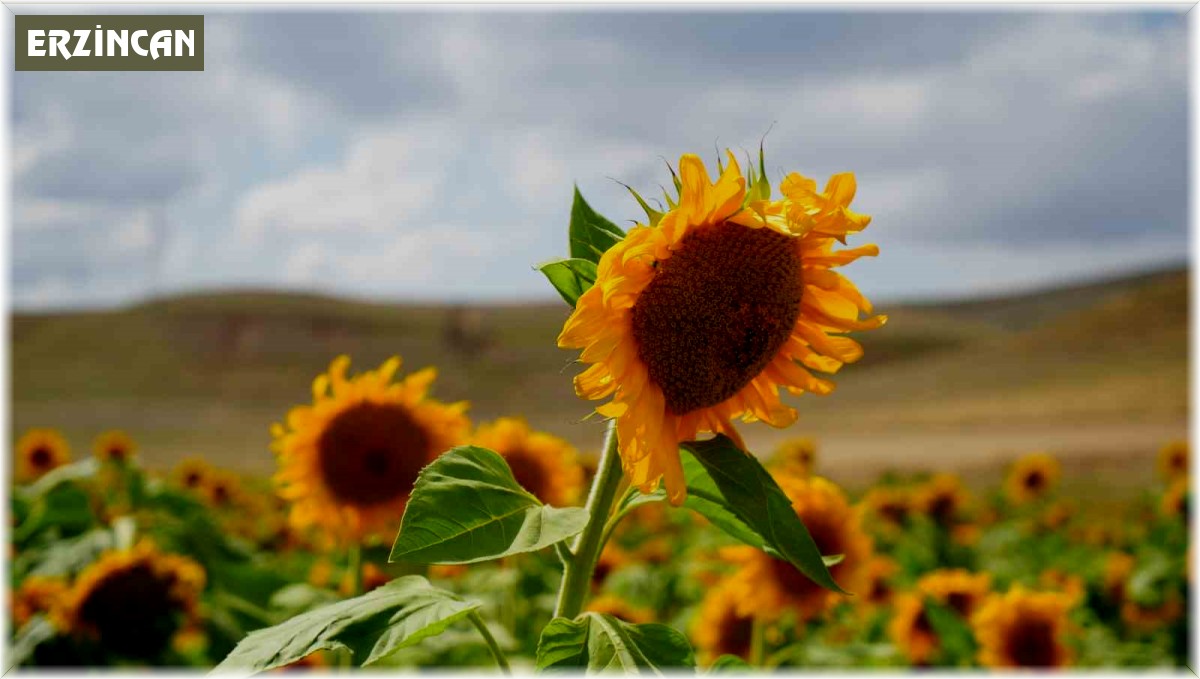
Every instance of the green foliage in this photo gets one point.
(599, 642)
(752, 495)
(370, 627)
(467, 507)
(728, 663)
(591, 235)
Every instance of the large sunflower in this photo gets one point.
(114, 446)
(720, 626)
(134, 601)
(1032, 477)
(768, 586)
(702, 316)
(543, 464)
(349, 461)
(1024, 629)
(39, 451)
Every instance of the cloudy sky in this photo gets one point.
(430, 155)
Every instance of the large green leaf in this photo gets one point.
(590, 233)
(600, 642)
(729, 663)
(372, 626)
(83, 469)
(753, 496)
(467, 507)
(570, 277)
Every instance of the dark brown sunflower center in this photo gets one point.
(1031, 643)
(133, 612)
(961, 602)
(41, 457)
(372, 453)
(191, 479)
(942, 508)
(894, 512)
(116, 453)
(1035, 480)
(879, 592)
(716, 312)
(529, 473)
(736, 633)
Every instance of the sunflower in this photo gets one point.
(543, 464)
(616, 606)
(373, 577)
(1118, 569)
(114, 446)
(1024, 629)
(702, 316)
(448, 571)
(878, 591)
(1173, 460)
(910, 629)
(39, 451)
(890, 504)
(37, 594)
(941, 498)
(958, 589)
(134, 601)
(769, 586)
(1032, 477)
(1057, 515)
(798, 455)
(192, 473)
(1060, 581)
(349, 461)
(721, 626)
(222, 489)
(1174, 503)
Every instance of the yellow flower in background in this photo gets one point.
(612, 558)
(447, 571)
(192, 473)
(910, 629)
(1021, 628)
(134, 601)
(1032, 477)
(616, 606)
(39, 451)
(114, 446)
(768, 586)
(958, 589)
(1057, 515)
(1071, 585)
(1174, 460)
(37, 594)
(222, 489)
(890, 504)
(941, 498)
(348, 462)
(1174, 503)
(878, 591)
(701, 317)
(721, 627)
(1118, 570)
(542, 464)
(798, 456)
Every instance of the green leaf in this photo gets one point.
(590, 233)
(33, 634)
(601, 642)
(83, 469)
(374, 625)
(728, 663)
(570, 277)
(66, 557)
(753, 496)
(467, 507)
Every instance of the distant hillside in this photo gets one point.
(207, 374)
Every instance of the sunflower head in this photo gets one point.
(1032, 477)
(910, 629)
(957, 589)
(1021, 628)
(134, 601)
(543, 464)
(37, 594)
(769, 586)
(1061, 581)
(1057, 515)
(890, 505)
(879, 589)
(941, 498)
(222, 489)
(114, 446)
(348, 462)
(1175, 501)
(192, 474)
(39, 451)
(721, 626)
(1174, 460)
(797, 455)
(704, 314)
(615, 606)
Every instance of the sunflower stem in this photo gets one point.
(577, 573)
(758, 642)
(355, 567)
(497, 653)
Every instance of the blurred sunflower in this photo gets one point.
(1174, 503)
(941, 498)
(879, 572)
(958, 589)
(134, 601)
(702, 316)
(769, 586)
(890, 504)
(1173, 460)
(448, 571)
(192, 474)
(721, 627)
(39, 451)
(373, 577)
(616, 606)
(1071, 585)
(1031, 478)
(1024, 629)
(797, 455)
(1118, 570)
(910, 629)
(114, 446)
(349, 461)
(542, 464)
(222, 489)
(612, 557)
(37, 594)
(1057, 515)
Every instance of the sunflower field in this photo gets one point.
(398, 533)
